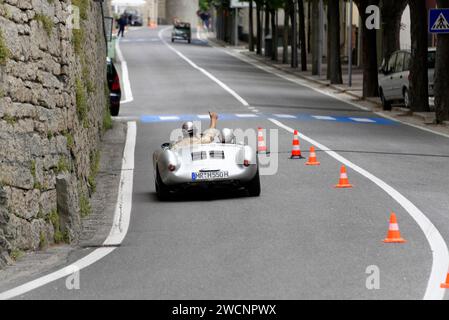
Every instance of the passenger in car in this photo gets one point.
(191, 137)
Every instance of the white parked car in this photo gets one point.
(394, 77)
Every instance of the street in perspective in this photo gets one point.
(196, 150)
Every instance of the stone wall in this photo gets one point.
(53, 110)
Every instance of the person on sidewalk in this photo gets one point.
(122, 23)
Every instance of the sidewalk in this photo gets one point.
(425, 120)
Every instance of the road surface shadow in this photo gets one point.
(193, 195)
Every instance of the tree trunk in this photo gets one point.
(442, 73)
(334, 34)
(309, 26)
(315, 42)
(259, 28)
(285, 36)
(294, 42)
(369, 52)
(328, 44)
(391, 26)
(266, 28)
(251, 24)
(274, 36)
(419, 80)
(302, 34)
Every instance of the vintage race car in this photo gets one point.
(207, 165)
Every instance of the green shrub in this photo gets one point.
(81, 101)
(83, 5)
(70, 141)
(5, 54)
(77, 41)
(42, 241)
(46, 21)
(16, 254)
(63, 166)
(85, 208)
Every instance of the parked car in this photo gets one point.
(134, 18)
(115, 91)
(181, 31)
(394, 77)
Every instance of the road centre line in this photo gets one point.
(118, 231)
(205, 72)
(440, 254)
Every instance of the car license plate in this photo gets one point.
(209, 175)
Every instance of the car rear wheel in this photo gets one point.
(163, 192)
(172, 40)
(253, 186)
(385, 103)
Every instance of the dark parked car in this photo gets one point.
(115, 91)
(181, 31)
(134, 18)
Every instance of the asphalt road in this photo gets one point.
(302, 239)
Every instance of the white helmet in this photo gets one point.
(227, 136)
(188, 128)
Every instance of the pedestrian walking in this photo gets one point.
(122, 23)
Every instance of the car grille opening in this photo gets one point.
(217, 154)
(199, 155)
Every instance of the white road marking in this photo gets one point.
(324, 118)
(125, 76)
(284, 116)
(437, 244)
(206, 73)
(305, 83)
(363, 120)
(438, 247)
(255, 110)
(165, 118)
(245, 115)
(118, 231)
(126, 118)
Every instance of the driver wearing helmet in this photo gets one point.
(227, 136)
(191, 136)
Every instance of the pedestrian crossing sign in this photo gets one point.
(439, 21)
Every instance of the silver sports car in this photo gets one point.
(205, 165)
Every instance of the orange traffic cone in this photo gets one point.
(344, 181)
(393, 235)
(296, 148)
(312, 158)
(261, 146)
(446, 284)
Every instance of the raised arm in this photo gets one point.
(213, 120)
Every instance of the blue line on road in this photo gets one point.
(253, 116)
